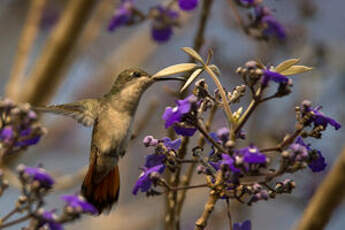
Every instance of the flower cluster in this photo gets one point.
(19, 127)
(232, 170)
(182, 116)
(164, 154)
(163, 18)
(263, 24)
(35, 184)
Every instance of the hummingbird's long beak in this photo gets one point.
(170, 79)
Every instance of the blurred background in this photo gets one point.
(315, 34)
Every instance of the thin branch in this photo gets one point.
(188, 177)
(204, 132)
(228, 213)
(237, 15)
(25, 46)
(44, 77)
(14, 222)
(327, 198)
(201, 223)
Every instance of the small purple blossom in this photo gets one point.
(274, 27)
(154, 160)
(40, 175)
(172, 116)
(163, 22)
(172, 144)
(226, 161)
(79, 203)
(317, 162)
(188, 5)
(144, 182)
(6, 134)
(49, 219)
(184, 131)
(122, 15)
(263, 15)
(318, 118)
(246, 225)
(150, 141)
(273, 76)
(252, 155)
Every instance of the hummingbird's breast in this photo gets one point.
(112, 131)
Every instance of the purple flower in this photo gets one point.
(252, 155)
(317, 162)
(223, 134)
(153, 160)
(79, 203)
(247, 2)
(163, 22)
(274, 27)
(175, 144)
(273, 76)
(188, 5)
(246, 225)
(176, 114)
(299, 152)
(122, 15)
(227, 161)
(150, 141)
(6, 134)
(318, 118)
(26, 139)
(40, 175)
(49, 219)
(144, 182)
(263, 16)
(184, 131)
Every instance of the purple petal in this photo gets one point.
(318, 164)
(188, 5)
(274, 27)
(175, 144)
(161, 34)
(184, 131)
(154, 160)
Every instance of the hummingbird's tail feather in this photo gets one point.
(103, 194)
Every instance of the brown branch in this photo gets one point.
(237, 15)
(44, 77)
(186, 179)
(199, 37)
(25, 45)
(327, 198)
(202, 221)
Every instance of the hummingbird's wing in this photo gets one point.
(84, 111)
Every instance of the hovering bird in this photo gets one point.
(112, 119)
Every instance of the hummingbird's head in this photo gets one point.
(136, 81)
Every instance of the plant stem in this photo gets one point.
(201, 223)
(188, 176)
(229, 213)
(327, 198)
(14, 222)
(25, 46)
(44, 77)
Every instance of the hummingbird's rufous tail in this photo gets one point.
(104, 193)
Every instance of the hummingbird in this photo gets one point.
(112, 119)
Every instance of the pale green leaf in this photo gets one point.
(192, 77)
(296, 69)
(174, 69)
(193, 53)
(286, 65)
(215, 69)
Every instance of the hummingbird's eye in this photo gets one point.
(136, 74)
